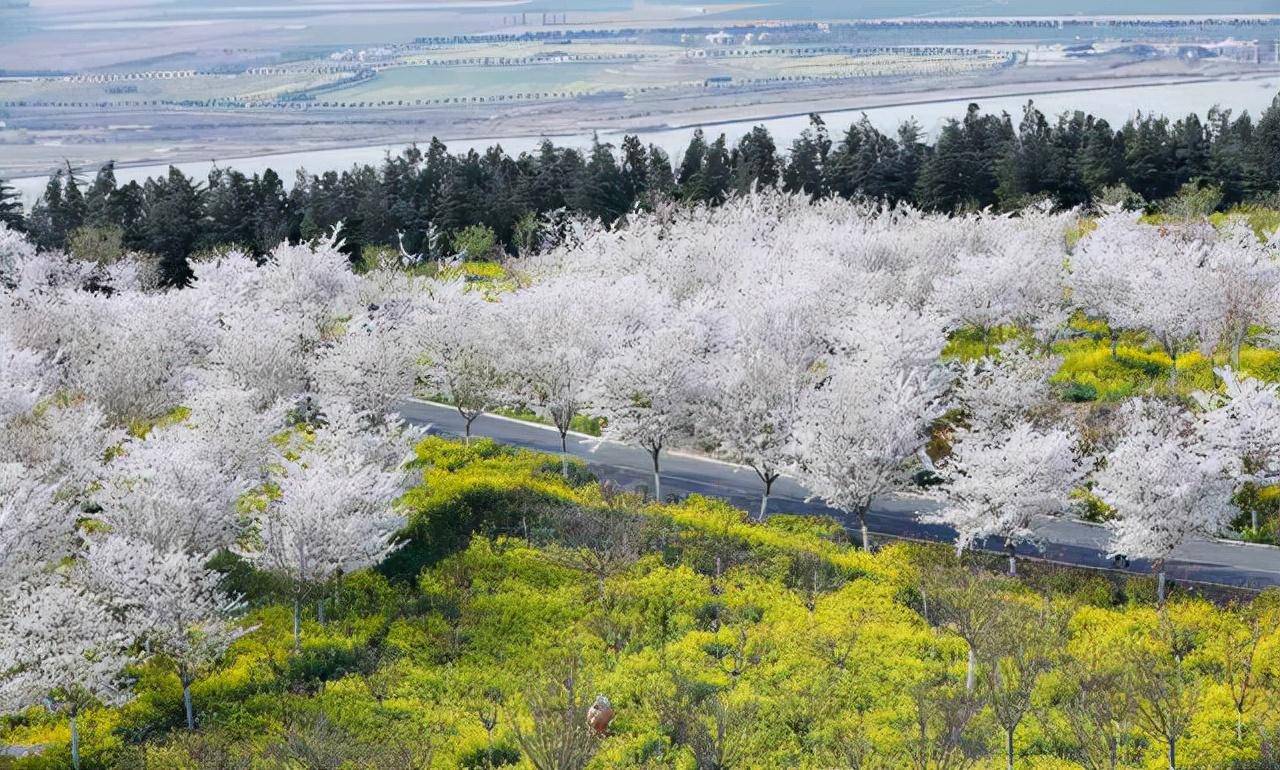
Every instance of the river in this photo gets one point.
(1115, 104)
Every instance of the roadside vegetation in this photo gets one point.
(717, 641)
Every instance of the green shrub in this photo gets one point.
(485, 757)
(1079, 392)
(482, 488)
(322, 661)
(475, 242)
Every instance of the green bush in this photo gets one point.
(475, 242)
(1079, 392)
(481, 488)
(485, 757)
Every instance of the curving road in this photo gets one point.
(1213, 562)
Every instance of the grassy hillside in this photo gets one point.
(520, 596)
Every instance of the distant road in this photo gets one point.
(1075, 543)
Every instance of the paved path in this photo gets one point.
(1071, 542)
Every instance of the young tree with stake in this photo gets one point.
(1000, 483)
(1166, 484)
(173, 605)
(646, 390)
(61, 647)
(463, 356)
(860, 432)
(334, 513)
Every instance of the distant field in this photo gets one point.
(199, 87)
(419, 82)
(624, 68)
(435, 82)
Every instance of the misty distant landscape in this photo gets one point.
(149, 84)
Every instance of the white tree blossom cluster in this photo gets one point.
(145, 431)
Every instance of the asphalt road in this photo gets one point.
(1077, 543)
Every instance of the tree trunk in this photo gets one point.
(1011, 549)
(186, 704)
(767, 479)
(1008, 747)
(297, 622)
(564, 453)
(657, 475)
(1253, 519)
(1160, 582)
(764, 504)
(320, 610)
(1173, 368)
(1115, 342)
(1239, 724)
(75, 742)
(1173, 754)
(971, 675)
(866, 536)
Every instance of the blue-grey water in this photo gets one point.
(1116, 105)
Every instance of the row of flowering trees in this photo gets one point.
(808, 339)
(142, 431)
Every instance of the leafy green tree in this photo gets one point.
(102, 245)
(1191, 149)
(475, 241)
(755, 161)
(273, 219)
(716, 177)
(172, 211)
(1100, 161)
(100, 199)
(689, 177)
(634, 170)
(1264, 155)
(1029, 166)
(868, 163)
(58, 212)
(662, 180)
(806, 168)
(942, 184)
(1228, 164)
(11, 207)
(1151, 165)
(228, 211)
(602, 194)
